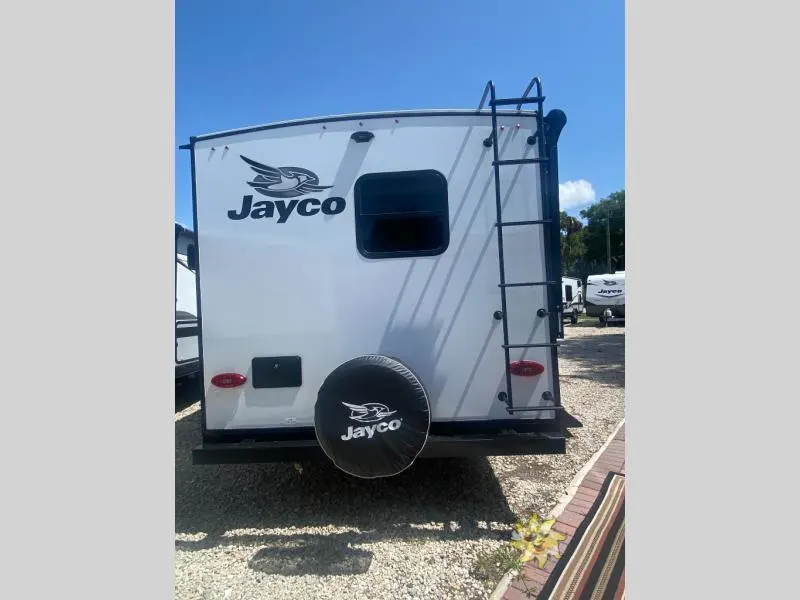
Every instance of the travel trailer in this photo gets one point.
(572, 298)
(187, 354)
(605, 297)
(379, 287)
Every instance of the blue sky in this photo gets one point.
(246, 62)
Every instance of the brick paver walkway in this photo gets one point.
(611, 460)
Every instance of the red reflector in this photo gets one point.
(228, 380)
(526, 368)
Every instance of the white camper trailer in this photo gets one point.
(187, 353)
(605, 297)
(378, 287)
(572, 298)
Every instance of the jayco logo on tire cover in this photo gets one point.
(370, 412)
(285, 182)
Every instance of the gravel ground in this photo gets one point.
(272, 532)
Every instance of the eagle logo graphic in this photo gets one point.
(283, 182)
(369, 412)
(609, 283)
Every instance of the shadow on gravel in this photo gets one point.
(435, 499)
(310, 555)
(599, 358)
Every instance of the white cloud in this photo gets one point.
(575, 194)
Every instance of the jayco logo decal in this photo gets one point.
(370, 412)
(284, 182)
(607, 292)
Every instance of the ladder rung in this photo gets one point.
(527, 284)
(513, 223)
(518, 161)
(531, 345)
(539, 409)
(508, 101)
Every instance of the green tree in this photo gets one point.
(584, 247)
(569, 225)
(604, 218)
(572, 246)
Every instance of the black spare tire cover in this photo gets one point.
(372, 416)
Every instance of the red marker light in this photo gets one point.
(228, 380)
(526, 368)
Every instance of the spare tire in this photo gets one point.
(372, 417)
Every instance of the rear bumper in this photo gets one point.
(437, 446)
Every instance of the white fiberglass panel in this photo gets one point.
(294, 283)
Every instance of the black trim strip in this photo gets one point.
(527, 284)
(184, 332)
(197, 292)
(356, 117)
(186, 368)
(519, 161)
(518, 101)
(554, 124)
(515, 223)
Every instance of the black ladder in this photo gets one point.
(551, 223)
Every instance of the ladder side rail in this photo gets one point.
(501, 257)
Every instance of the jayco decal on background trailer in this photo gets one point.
(608, 283)
(607, 292)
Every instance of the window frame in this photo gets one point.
(441, 212)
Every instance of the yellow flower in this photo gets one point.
(544, 529)
(536, 540)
